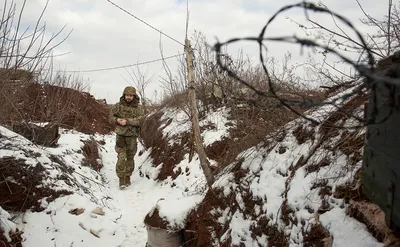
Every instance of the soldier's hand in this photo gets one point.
(122, 122)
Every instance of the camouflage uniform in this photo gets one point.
(126, 139)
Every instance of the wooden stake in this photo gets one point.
(205, 164)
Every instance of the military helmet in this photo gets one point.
(129, 90)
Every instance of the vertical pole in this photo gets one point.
(205, 165)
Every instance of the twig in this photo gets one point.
(9, 189)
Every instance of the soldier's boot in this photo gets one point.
(122, 183)
(128, 181)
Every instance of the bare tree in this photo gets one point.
(386, 40)
(382, 43)
(28, 48)
(140, 80)
(26, 56)
(328, 69)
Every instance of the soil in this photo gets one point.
(66, 107)
(20, 189)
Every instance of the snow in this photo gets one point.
(271, 174)
(122, 224)
(219, 120)
(174, 121)
(56, 226)
(6, 225)
(347, 230)
(40, 124)
(240, 232)
(175, 211)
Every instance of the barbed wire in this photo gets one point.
(365, 70)
(144, 22)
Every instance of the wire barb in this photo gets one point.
(367, 71)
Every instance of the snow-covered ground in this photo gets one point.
(289, 185)
(122, 223)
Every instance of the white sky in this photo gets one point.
(104, 36)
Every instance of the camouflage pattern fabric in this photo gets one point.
(133, 115)
(126, 141)
(126, 147)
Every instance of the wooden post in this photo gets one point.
(205, 164)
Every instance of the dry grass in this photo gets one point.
(16, 239)
(371, 215)
(202, 224)
(317, 236)
(162, 152)
(31, 102)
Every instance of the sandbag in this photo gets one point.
(157, 237)
(381, 169)
(46, 135)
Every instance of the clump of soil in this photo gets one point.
(91, 154)
(16, 239)
(22, 186)
(162, 152)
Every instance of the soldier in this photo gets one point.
(128, 116)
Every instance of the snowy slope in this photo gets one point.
(291, 190)
(280, 190)
(122, 224)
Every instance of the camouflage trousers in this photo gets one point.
(126, 147)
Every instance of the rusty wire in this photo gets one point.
(365, 70)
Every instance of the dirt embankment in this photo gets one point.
(69, 108)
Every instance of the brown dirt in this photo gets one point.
(302, 134)
(275, 236)
(371, 215)
(316, 237)
(342, 113)
(251, 126)
(46, 103)
(351, 144)
(362, 209)
(156, 221)
(91, 154)
(19, 189)
(224, 152)
(316, 167)
(201, 222)
(161, 152)
(41, 135)
(374, 218)
(351, 191)
(219, 151)
(16, 239)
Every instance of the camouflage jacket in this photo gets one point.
(133, 115)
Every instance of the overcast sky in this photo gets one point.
(104, 36)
